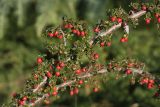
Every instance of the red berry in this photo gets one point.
(119, 20)
(113, 18)
(55, 33)
(66, 26)
(102, 44)
(144, 81)
(96, 29)
(74, 31)
(83, 33)
(76, 91)
(156, 15)
(50, 34)
(148, 21)
(60, 36)
(78, 33)
(144, 7)
(96, 56)
(95, 89)
(128, 71)
(151, 81)
(122, 40)
(58, 67)
(61, 64)
(57, 74)
(71, 93)
(150, 85)
(83, 69)
(24, 98)
(70, 26)
(158, 20)
(78, 71)
(39, 60)
(54, 93)
(108, 44)
(80, 81)
(49, 75)
(21, 102)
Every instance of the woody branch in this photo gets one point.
(87, 75)
(117, 26)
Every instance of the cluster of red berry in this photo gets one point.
(75, 30)
(55, 34)
(148, 20)
(116, 19)
(157, 16)
(59, 66)
(108, 44)
(128, 71)
(79, 33)
(22, 100)
(148, 82)
(124, 39)
(79, 71)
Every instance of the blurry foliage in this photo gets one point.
(21, 23)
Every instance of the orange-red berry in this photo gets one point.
(39, 60)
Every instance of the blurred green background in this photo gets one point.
(21, 24)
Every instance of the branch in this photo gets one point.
(87, 75)
(64, 38)
(109, 31)
(38, 100)
(40, 85)
(137, 15)
(115, 27)
(104, 70)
